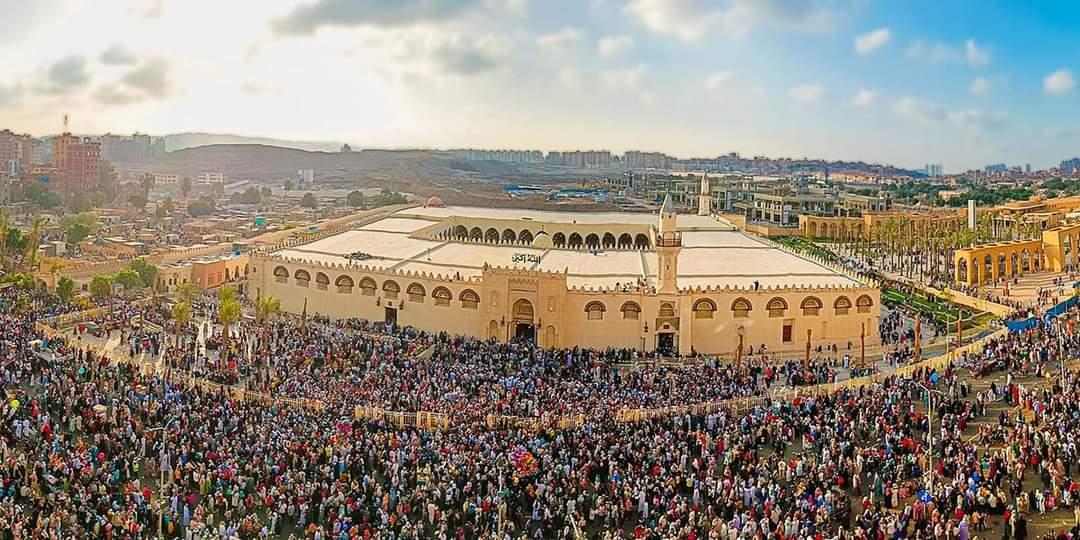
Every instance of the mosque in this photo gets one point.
(668, 282)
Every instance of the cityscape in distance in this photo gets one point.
(539, 270)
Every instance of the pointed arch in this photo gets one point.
(416, 292)
(344, 284)
(776, 307)
(864, 303)
(704, 309)
(594, 310)
(741, 308)
(469, 299)
(367, 287)
(391, 288)
(811, 306)
(441, 296)
(842, 305)
(281, 274)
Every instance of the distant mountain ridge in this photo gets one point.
(180, 141)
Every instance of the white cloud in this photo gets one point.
(615, 45)
(921, 111)
(976, 57)
(720, 80)
(691, 20)
(940, 53)
(570, 78)
(118, 55)
(864, 98)
(625, 79)
(307, 18)
(977, 120)
(872, 41)
(807, 93)
(629, 80)
(565, 37)
(980, 86)
(1059, 82)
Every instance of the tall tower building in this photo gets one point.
(668, 246)
(704, 205)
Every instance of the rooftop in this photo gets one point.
(714, 254)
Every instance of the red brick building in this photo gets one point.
(77, 160)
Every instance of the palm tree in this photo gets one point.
(5, 224)
(32, 243)
(228, 313)
(266, 307)
(187, 291)
(180, 314)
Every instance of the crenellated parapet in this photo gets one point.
(365, 269)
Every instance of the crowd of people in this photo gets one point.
(97, 446)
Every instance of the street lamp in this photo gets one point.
(930, 434)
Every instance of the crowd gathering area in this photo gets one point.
(251, 433)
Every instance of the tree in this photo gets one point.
(5, 224)
(355, 199)
(229, 310)
(185, 186)
(180, 314)
(202, 207)
(101, 286)
(251, 196)
(33, 242)
(76, 233)
(80, 202)
(65, 289)
(146, 183)
(129, 279)
(146, 270)
(266, 307)
(308, 201)
(137, 200)
(187, 291)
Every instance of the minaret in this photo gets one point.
(668, 245)
(704, 201)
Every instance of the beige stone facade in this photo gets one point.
(685, 298)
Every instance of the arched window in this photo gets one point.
(863, 304)
(667, 309)
(592, 241)
(631, 311)
(509, 237)
(641, 241)
(842, 305)
(609, 240)
(281, 274)
(811, 306)
(776, 307)
(625, 241)
(344, 284)
(321, 281)
(525, 237)
(391, 289)
(704, 309)
(476, 234)
(469, 299)
(367, 286)
(558, 239)
(594, 310)
(491, 236)
(741, 308)
(574, 241)
(441, 296)
(416, 292)
(461, 232)
(302, 278)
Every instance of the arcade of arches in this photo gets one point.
(989, 263)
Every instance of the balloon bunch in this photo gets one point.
(524, 462)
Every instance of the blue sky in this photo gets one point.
(962, 83)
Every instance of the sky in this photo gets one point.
(956, 82)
